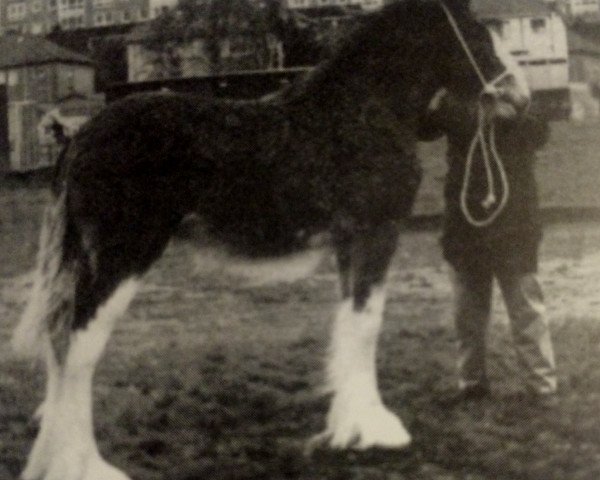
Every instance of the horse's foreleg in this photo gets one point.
(357, 417)
(65, 448)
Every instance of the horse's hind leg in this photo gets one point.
(65, 448)
(357, 417)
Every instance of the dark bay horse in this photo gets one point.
(332, 153)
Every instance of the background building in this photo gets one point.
(43, 16)
(575, 8)
(38, 76)
(33, 68)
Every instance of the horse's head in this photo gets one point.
(410, 49)
(474, 61)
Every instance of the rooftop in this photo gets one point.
(509, 8)
(20, 50)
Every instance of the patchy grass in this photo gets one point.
(204, 379)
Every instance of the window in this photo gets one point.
(69, 79)
(72, 5)
(496, 26)
(72, 23)
(103, 18)
(13, 78)
(16, 11)
(538, 25)
(37, 28)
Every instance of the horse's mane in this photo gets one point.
(373, 33)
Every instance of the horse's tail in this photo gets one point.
(52, 297)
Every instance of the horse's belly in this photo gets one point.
(259, 271)
(213, 256)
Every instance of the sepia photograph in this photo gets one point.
(299, 239)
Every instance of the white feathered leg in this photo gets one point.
(357, 417)
(65, 448)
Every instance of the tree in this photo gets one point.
(217, 23)
(254, 25)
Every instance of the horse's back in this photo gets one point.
(142, 131)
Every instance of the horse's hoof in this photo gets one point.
(382, 429)
(75, 467)
(360, 430)
(101, 470)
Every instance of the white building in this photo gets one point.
(535, 34)
(156, 7)
(42, 16)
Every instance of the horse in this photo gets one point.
(327, 163)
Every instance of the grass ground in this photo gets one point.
(205, 379)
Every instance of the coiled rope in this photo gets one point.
(487, 145)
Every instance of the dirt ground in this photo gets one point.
(205, 379)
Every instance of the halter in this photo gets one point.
(487, 145)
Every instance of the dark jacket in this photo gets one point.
(511, 242)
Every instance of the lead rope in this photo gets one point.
(479, 139)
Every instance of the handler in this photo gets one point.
(507, 249)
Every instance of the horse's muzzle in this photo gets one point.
(506, 98)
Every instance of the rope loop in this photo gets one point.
(487, 145)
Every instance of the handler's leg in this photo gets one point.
(525, 303)
(357, 417)
(473, 295)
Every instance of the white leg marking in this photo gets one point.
(52, 383)
(357, 417)
(65, 448)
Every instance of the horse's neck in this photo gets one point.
(326, 100)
